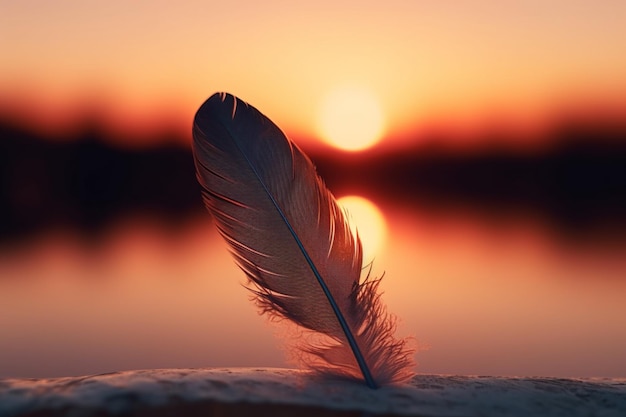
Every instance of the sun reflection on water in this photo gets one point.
(367, 221)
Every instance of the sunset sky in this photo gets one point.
(461, 66)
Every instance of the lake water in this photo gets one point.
(480, 296)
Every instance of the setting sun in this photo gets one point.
(368, 220)
(350, 118)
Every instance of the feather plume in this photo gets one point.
(287, 233)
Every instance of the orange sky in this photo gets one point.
(426, 62)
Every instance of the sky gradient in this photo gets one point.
(139, 65)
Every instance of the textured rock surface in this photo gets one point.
(266, 391)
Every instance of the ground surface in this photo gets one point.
(284, 392)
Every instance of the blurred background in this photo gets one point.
(483, 145)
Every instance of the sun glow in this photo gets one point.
(350, 118)
(366, 219)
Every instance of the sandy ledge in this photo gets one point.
(288, 392)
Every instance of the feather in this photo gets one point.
(287, 233)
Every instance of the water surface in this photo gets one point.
(480, 296)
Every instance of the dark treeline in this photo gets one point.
(85, 183)
(578, 185)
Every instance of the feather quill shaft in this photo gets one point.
(288, 235)
(342, 321)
